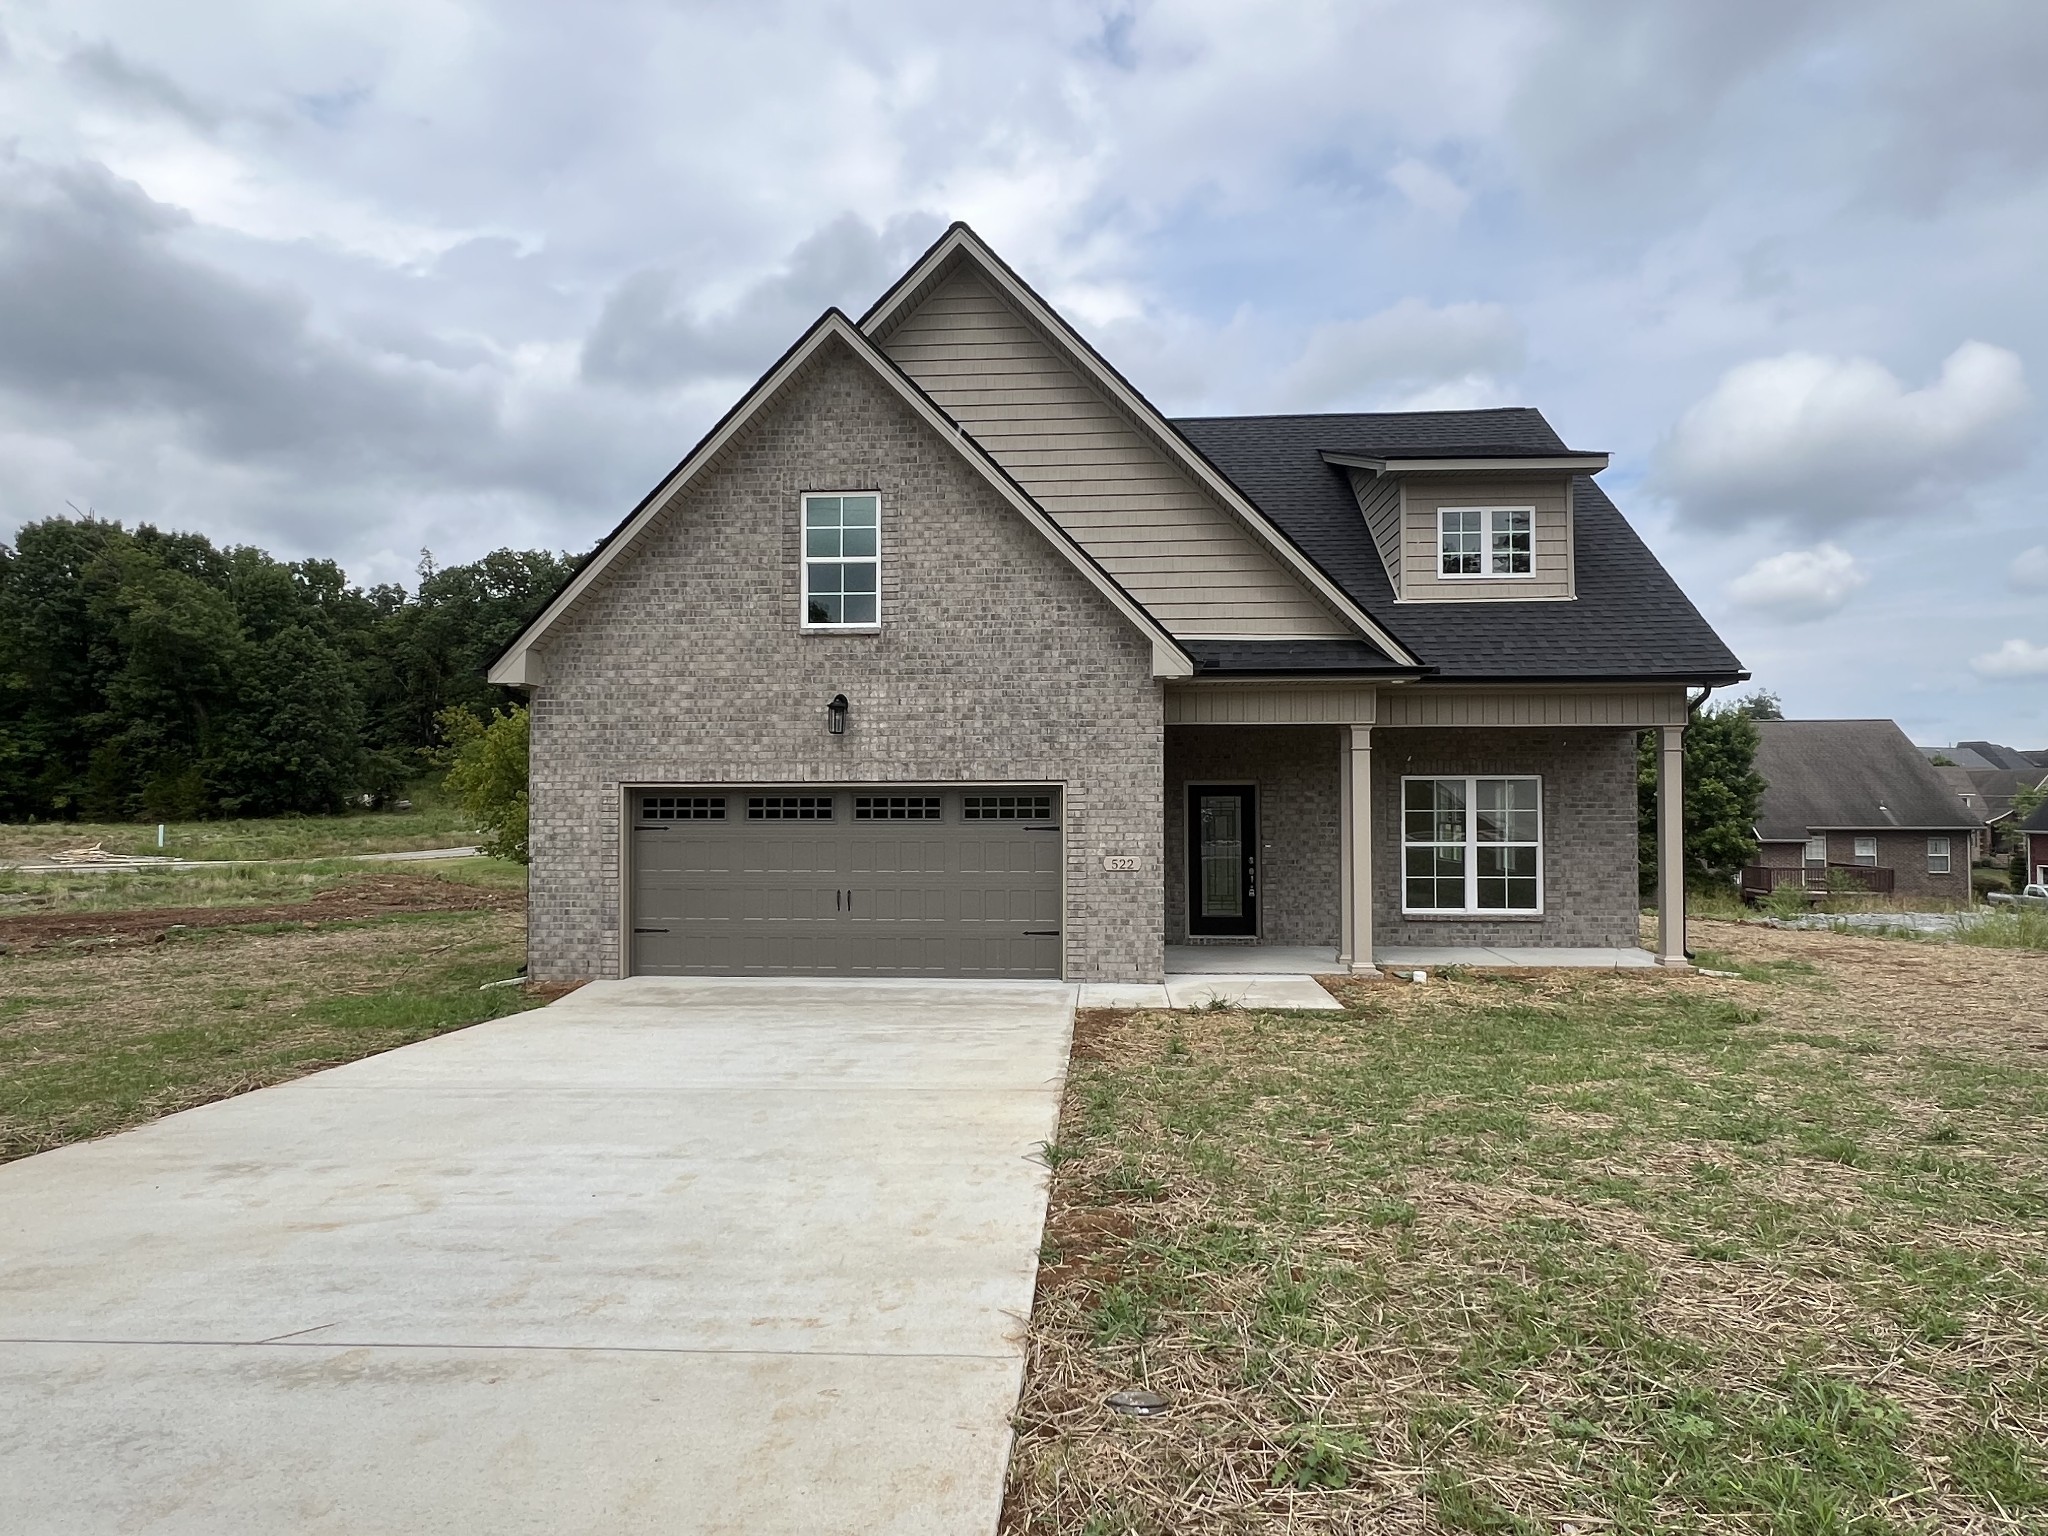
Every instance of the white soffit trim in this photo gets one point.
(517, 667)
(1576, 463)
(963, 241)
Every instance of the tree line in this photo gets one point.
(155, 676)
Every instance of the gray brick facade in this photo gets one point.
(684, 664)
(1295, 768)
(1590, 896)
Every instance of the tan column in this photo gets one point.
(1671, 845)
(1355, 948)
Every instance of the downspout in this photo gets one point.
(1692, 709)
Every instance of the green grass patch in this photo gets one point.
(1512, 1255)
(96, 1042)
(430, 823)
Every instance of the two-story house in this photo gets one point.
(946, 654)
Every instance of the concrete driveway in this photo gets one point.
(676, 1256)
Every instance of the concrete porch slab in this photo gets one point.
(1530, 957)
(1246, 991)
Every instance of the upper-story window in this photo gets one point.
(1486, 541)
(842, 561)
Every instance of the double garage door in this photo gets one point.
(868, 881)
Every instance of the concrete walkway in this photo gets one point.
(674, 1256)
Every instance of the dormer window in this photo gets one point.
(1485, 541)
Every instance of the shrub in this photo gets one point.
(487, 771)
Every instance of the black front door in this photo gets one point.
(1223, 860)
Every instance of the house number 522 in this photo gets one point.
(1119, 861)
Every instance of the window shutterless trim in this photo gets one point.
(803, 564)
(1486, 533)
(1471, 846)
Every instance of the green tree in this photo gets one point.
(1722, 793)
(487, 770)
(1759, 704)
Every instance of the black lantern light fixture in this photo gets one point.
(835, 715)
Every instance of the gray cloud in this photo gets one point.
(648, 335)
(1405, 350)
(109, 74)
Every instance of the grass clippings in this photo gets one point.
(95, 1039)
(1584, 1252)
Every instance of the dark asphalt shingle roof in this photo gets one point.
(1630, 620)
(1848, 775)
(2038, 821)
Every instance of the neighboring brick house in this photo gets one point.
(2035, 830)
(945, 653)
(1856, 798)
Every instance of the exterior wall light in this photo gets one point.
(835, 715)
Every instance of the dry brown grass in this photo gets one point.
(1592, 1252)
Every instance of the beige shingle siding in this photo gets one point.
(1379, 501)
(1150, 525)
(1427, 494)
(997, 660)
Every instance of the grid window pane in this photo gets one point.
(842, 568)
(1007, 808)
(682, 808)
(1462, 536)
(1513, 543)
(895, 807)
(789, 808)
(1471, 844)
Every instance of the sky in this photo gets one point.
(357, 280)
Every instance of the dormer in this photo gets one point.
(1472, 528)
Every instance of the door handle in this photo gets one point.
(650, 930)
(1041, 933)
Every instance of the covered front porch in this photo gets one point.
(1317, 828)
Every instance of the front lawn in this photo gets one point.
(1580, 1253)
(96, 1037)
(429, 824)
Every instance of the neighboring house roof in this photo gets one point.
(1849, 776)
(1963, 786)
(1996, 756)
(512, 668)
(1629, 620)
(1958, 756)
(2038, 821)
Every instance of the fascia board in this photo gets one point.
(960, 239)
(515, 668)
(1575, 463)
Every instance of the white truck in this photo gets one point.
(2032, 896)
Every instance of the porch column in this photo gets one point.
(1671, 845)
(1354, 940)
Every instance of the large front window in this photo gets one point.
(1471, 845)
(1486, 541)
(842, 562)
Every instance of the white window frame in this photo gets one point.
(1472, 845)
(1865, 860)
(1487, 552)
(1942, 863)
(803, 564)
(1818, 840)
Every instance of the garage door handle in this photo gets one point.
(1041, 933)
(650, 930)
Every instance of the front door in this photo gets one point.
(1223, 861)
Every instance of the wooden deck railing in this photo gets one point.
(1759, 880)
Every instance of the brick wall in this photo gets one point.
(996, 660)
(1295, 768)
(1590, 896)
(1905, 855)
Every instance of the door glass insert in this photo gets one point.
(1222, 855)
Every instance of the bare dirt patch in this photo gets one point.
(359, 897)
